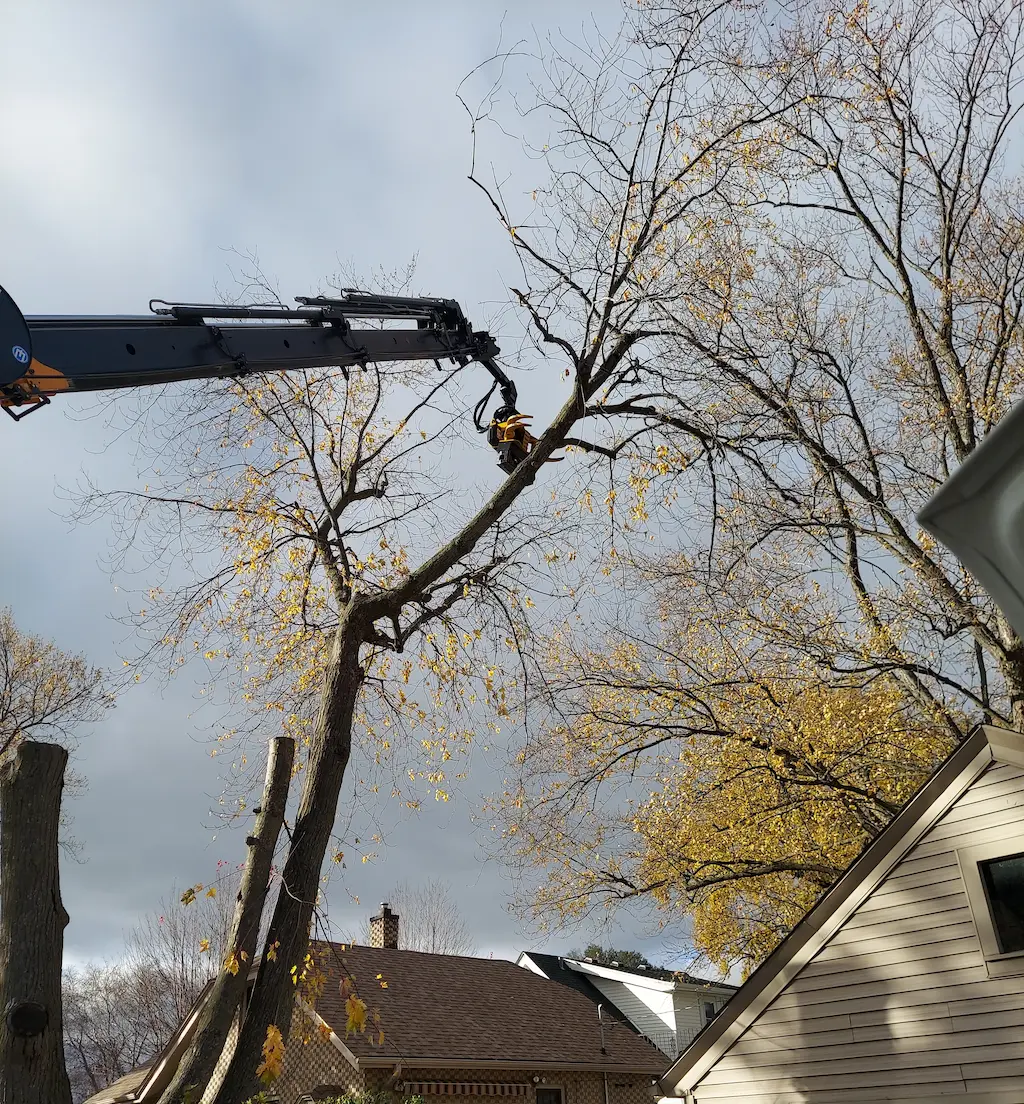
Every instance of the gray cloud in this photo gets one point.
(141, 142)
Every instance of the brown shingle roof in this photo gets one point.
(450, 1008)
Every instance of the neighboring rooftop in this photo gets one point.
(556, 963)
(555, 968)
(449, 1007)
(121, 1088)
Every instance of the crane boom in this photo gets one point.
(45, 356)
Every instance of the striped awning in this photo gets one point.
(465, 1088)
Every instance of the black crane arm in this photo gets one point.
(45, 356)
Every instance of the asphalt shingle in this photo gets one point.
(473, 1009)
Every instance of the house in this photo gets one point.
(453, 1027)
(906, 979)
(668, 1007)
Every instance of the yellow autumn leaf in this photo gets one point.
(204, 946)
(355, 1011)
(271, 1067)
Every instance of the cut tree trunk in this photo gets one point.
(274, 994)
(32, 922)
(225, 998)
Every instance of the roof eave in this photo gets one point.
(612, 974)
(422, 1062)
(166, 1063)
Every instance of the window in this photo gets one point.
(549, 1094)
(993, 876)
(710, 1011)
(1003, 880)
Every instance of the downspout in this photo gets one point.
(600, 1021)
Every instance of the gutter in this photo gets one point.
(409, 1062)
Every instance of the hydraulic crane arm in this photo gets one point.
(45, 356)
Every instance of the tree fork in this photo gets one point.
(32, 922)
(273, 995)
(228, 991)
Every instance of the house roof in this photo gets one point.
(121, 1088)
(985, 746)
(556, 969)
(449, 1010)
(576, 973)
(975, 514)
(669, 978)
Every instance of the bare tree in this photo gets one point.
(837, 336)
(344, 564)
(429, 919)
(225, 997)
(118, 1015)
(183, 945)
(116, 1018)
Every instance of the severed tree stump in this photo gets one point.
(32, 922)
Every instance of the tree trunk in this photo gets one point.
(274, 994)
(32, 922)
(197, 1067)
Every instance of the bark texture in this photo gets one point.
(197, 1067)
(32, 922)
(273, 994)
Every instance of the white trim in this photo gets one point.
(413, 1062)
(637, 977)
(984, 746)
(998, 963)
(175, 1049)
(335, 1040)
(526, 962)
(613, 974)
(1007, 747)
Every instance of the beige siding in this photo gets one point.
(898, 1005)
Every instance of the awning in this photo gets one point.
(465, 1088)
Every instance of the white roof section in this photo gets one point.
(633, 977)
(645, 980)
(978, 513)
(986, 745)
(681, 981)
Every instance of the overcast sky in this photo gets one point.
(142, 142)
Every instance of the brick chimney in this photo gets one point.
(384, 928)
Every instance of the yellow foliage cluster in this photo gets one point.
(272, 1066)
(717, 774)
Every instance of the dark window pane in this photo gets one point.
(710, 1012)
(548, 1095)
(1004, 886)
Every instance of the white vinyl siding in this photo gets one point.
(689, 1012)
(898, 1005)
(669, 1018)
(648, 1010)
